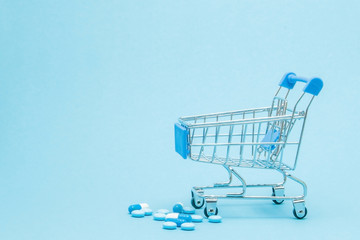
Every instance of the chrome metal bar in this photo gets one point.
(189, 118)
(231, 129)
(244, 121)
(205, 130)
(244, 186)
(225, 184)
(216, 140)
(302, 131)
(243, 144)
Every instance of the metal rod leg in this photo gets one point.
(230, 178)
(242, 182)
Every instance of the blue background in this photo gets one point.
(90, 91)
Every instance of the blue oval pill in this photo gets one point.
(159, 216)
(189, 210)
(169, 225)
(188, 226)
(215, 219)
(138, 213)
(148, 212)
(196, 218)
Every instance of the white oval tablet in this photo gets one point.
(159, 217)
(138, 213)
(169, 225)
(188, 226)
(215, 219)
(196, 218)
(164, 211)
(148, 212)
(189, 210)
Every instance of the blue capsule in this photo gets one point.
(139, 206)
(178, 208)
(183, 216)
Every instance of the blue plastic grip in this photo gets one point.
(313, 86)
(181, 140)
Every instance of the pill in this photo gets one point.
(148, 212)
(178, 221)
(159, 216)
(169, 225)
(178, 208)
(138, 206)
(215, 219)
(196, 218)
(186, 217)
(164, 211)
(188, 226)
(138, 213)
(189, 210)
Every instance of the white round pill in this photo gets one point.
(215, 219)
(196, 218)
(189, 210)
(159, 217)
(164, 211)
(169, 225)
(188, 226)
(148, 212)
(138, 213)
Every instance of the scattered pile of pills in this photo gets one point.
(140, 210)
(182, 217)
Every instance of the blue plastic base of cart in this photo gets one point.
(181, 140)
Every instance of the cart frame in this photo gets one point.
(251, 138)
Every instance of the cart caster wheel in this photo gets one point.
(300, 214)
(197, 204)
(278, 191)
(210, 211)
(196, 201)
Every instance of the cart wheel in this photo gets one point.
(199, 203)
(274, 195)
(210, 212)
(301, 214)
(276, 201)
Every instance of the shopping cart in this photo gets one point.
(252, 138)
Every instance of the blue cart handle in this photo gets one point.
(313, 86)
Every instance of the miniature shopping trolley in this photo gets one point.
(262, 138)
